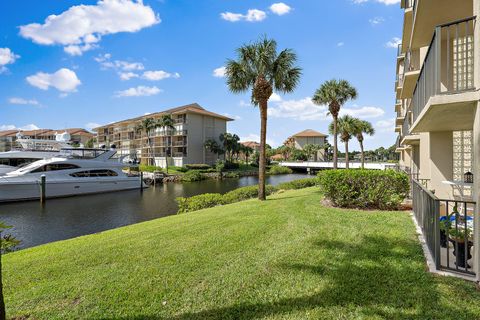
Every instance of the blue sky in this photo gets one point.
(114, 59)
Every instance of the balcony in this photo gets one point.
(427, 14)
(408, 137)
(408, 5)
(443, 98)
(411, 72)
(448, 229)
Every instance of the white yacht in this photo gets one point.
(74, 172)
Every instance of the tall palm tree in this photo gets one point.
(363, 127)
(168, 125)
(334, 93)
(148, 125)
(347, 128)
(261, 69)
(247, 151)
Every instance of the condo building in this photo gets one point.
(309, 136)
(438, 125)
(183, 145)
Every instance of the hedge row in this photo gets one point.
(364, 189)
(209, 200)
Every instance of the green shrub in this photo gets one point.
(298, 184)
(148, 168)
(220, 166)
(245, 193)
(364, 189)
(193, 175)
(179, 169)
(197, 166)
(279, 170)
(199, 202)
(231, 175)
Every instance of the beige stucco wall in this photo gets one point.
(441, 163)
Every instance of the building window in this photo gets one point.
(462, 157)
(94, 174)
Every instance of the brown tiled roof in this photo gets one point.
(251, 144)
(7, 133)
(309, 133)
(189, 108)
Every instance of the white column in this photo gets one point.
(476, 143)
(476, 190)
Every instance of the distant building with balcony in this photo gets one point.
(8, 138)
(309, 136)
(438, 119)
(184, 145)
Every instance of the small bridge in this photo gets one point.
(341, 165)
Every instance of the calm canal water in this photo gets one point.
(66, 218)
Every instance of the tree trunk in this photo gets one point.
(363, 154)
(335, 141)
(3, 314)
(262, 160)
(347, 165)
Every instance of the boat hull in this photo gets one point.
(20, 191)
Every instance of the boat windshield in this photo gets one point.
(79, 153)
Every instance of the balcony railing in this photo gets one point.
(399, 50)
(406, 4)
(448, 229)
(412, 61)
(448, 65)
(406, 127)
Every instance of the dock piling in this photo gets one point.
(43, 185)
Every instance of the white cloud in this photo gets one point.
(140, 91)
(7, 57)
(253, 15)
(127, 70)
(81, 27)
(275, 97)
(232, 116)
(13, 127)
(127, 75)
(219, 72)
(16, 100)
(363, 112)
(242, 103)
(303, 109)
(280, 8)
(340, 44)
(159, 75)
(64, 80)
(393, 43)
(376, 21)
(387, 125)
(92, 125)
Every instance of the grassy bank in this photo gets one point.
(286, 258)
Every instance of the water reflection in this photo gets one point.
(65, 218)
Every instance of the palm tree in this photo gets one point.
(260, 68)
(334, 93)
(311, 150)
(168, 125)
(148, 125)
(247, 151)
(363, 127)
(347, 128)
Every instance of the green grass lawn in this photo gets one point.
(286, 258)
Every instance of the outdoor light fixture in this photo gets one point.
(468, 177)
